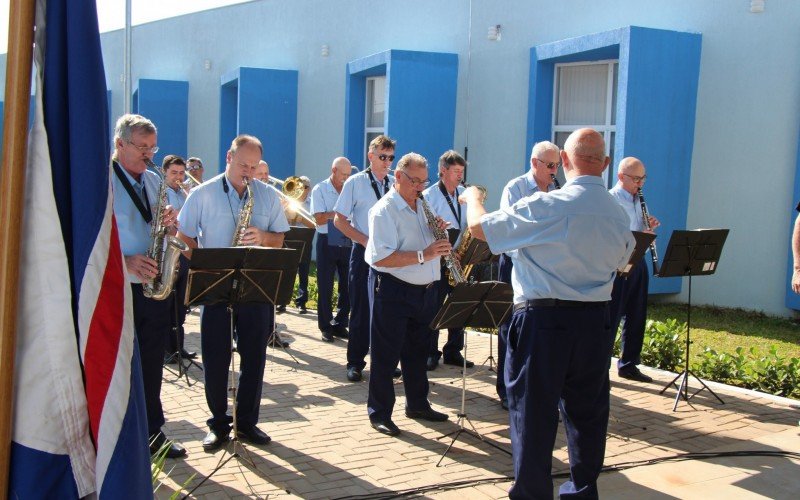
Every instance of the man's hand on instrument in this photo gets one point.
(654, 223)
(252, 236)
(170, 217)
(443, 224)
(141, 266)
(471, 195)
(437, 249)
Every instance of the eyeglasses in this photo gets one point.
(551, 164)
(195, 167)
(416, 182)
(144, 149)
(636, 178)
(386, 157)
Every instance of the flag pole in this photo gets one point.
(12, 187)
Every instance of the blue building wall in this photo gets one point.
(655, 115)
(165, 103)
(263, 103)
(420, 103)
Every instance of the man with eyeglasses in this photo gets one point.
(359, 193)
(194, 167)
(404, 295)
(135, 198)
(443, 200)
(545, 160)
(208, 219)
(629, 299)
(566, 246)
(333, 253)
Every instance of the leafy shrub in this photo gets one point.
(769, 373)
(663, 344)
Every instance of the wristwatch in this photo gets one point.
(420, 257)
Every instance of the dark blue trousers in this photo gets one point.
(401, 314)
(332, 260)
(629, 302)
(504, 274)
(558, 358)
(455, 336)
(153, 324)
(358, 340)
(253, 323)
(302, 286)
(178, 310)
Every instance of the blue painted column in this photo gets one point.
(793, 299)
(263, 103)
(655, 115)
(166, 104)
(420, 104)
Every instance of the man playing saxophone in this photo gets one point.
(209, 218)
(443, 200)
(136, 193)
(403, 253)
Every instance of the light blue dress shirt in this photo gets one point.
(570, 242)
(210, 214)
(630, 203)
(438, 203)
(323, 199)
(357, 198)
(307, 207)
(134, 232)
(394, 226)
(520, 187)
(176, 198)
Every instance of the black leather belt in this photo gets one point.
(391, 277)
(556, 303)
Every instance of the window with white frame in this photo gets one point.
(375, 109)
(586, 96)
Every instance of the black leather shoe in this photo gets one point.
(303, 310)
(340, 331)
(188, 354)
(504, 403)
(634, 374)
(159, 440)
(457, 360)
(385, 427)
(428, 414)
(280, 309)
(327, 336)
(353, 374)
(253, 435)
(214, 441)
(397, 373)
(432, 363)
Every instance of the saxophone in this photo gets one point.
(165, 249)
(450, 260)
(463, 244)
(244, 216)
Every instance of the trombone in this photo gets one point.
(189, 183)
(292, 189)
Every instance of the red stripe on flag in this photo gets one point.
(105, 331)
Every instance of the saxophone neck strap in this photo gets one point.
(375, 183)
(447, 197)
(142, 205)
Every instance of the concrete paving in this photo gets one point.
(323, 446)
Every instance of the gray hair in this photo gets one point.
(541, 147)
(409, 158)
(130, 123)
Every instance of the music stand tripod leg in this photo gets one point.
(275, 341)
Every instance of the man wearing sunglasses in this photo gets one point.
(135, 199)
(629, 298)
(443, 200)
(404, 295)
(545, 159)
(194, 167)
(359, 194)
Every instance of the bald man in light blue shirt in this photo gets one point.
(567, 246)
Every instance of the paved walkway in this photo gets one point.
(323, 446)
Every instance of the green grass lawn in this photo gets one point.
(722, 329)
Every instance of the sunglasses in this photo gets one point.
(386, 157)
(549, 164)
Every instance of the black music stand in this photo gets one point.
(297, 238)
(232, 276)
(691, 253)
(479, 305)
(177, 331)
(643, 241)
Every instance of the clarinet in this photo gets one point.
(555, 181)
(646, 220)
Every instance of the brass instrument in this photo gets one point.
(189, 183)
(291, 190)
(450, 260)
(243, 222)
(463, 244)
(555, 181)
(646, 220)
(164, 249)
